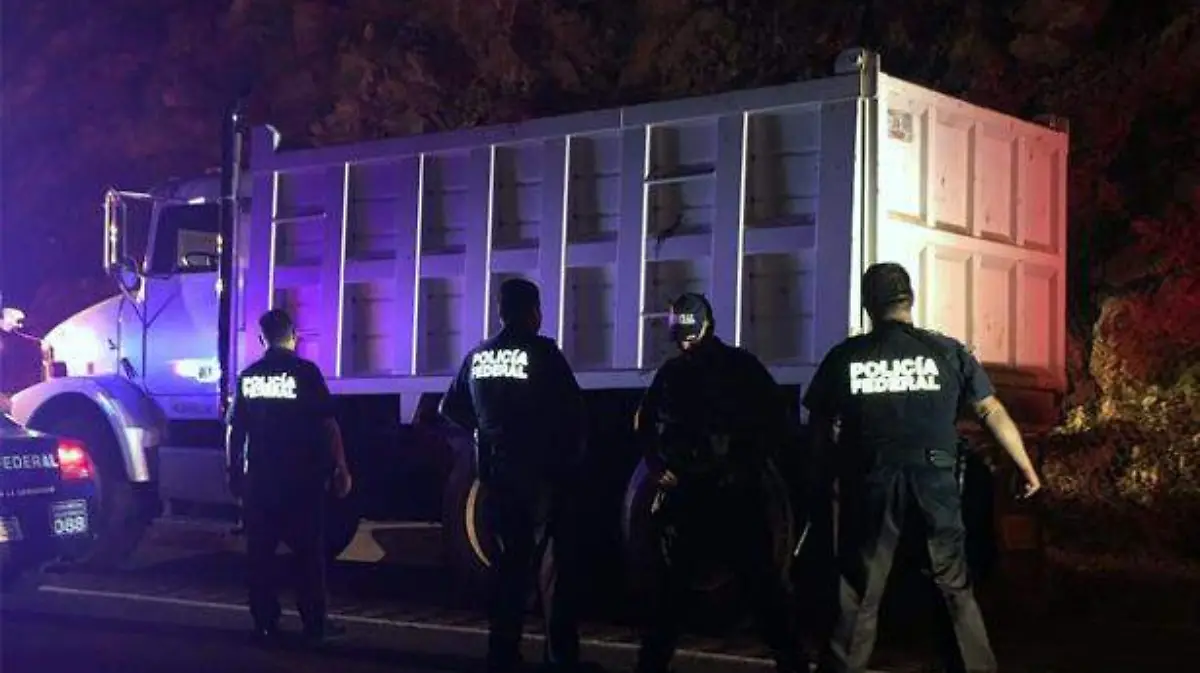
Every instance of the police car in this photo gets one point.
(46, 494)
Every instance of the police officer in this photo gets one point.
(710, 420)
(283, 447)
(517, 393)
(895, 394)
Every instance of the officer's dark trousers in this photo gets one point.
(731, 528)
(295, 519)
(872, 512)
(534, 527)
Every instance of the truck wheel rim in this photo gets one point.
(472, 506)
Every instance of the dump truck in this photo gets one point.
(389, 253)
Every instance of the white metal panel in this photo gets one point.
(400, 323)
(586, 123)
(630, 280)
(973, 203)
(719, 197)
(755, 198)
(552, 236)
(257, 282)
(839, 224)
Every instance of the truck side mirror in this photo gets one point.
(118, 264)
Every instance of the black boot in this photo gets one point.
(318, 635)
(265, 634)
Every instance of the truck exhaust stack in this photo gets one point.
(233, 131)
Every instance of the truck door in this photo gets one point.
(178, 345)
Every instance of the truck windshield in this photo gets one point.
(185, 240)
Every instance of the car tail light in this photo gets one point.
(73, 461)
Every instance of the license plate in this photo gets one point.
(10, 530)
(69, 518)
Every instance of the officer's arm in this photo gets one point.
(565, 391)
(644, 420)
(819, 472)
(769, 409)
(995, 417)
(235, 437)
(456, 405)
(823, 401)
(325, 410)
(981, 396)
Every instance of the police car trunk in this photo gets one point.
(46, 489)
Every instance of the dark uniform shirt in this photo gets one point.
(282, 403)
(517, 391)
(712, 408)
(897, 391)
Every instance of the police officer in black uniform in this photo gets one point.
(895, 394)
(284, 450)
(710, 420)
(517, 393)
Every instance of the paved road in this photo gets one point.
(38, 644)
(182, 603)
(56, 629)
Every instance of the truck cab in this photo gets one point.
(137, 373)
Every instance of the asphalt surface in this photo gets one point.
(31, 643)
(179, 607)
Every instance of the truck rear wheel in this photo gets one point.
(467, 540)
(469, 545)
(715, 586)
(118, 521)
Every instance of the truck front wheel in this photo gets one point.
(119, 520)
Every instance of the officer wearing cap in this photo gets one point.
(284, 450)
(517, 393)
(710, 420)
(895, 394)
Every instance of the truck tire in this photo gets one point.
(118, 522)
(715, 587)
(467, 542)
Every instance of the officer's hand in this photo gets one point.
(1033, 484)
(668, 479)
(342, 483)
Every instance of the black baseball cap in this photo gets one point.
(693, 303)
(885, 284)
(689, 312)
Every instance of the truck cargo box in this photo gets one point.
(771, 201)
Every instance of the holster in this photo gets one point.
(484, 458)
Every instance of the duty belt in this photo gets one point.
(942, 458)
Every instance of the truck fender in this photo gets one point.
(136, 421)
